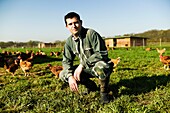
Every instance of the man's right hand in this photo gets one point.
(77, 72)
(73, 84)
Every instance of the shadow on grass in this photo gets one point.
(139, 85)
(127, 69)
(46, 59)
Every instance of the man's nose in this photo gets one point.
(73, 24)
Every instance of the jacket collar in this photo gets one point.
(82, 34)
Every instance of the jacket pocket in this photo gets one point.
(88, 52)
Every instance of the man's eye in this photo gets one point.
(73, 23)
(70, 23)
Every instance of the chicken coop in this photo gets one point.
(44, 45)
(125, 41)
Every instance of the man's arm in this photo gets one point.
(99, 48)
(67, 62)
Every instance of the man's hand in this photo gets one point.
(77, 72)
(73, 84)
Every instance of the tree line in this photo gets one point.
(29, 44)
(156, 35)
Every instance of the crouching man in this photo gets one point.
(89, 46)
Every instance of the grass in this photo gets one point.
(139, 85)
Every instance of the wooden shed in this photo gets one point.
(44, 45)
(125, 41)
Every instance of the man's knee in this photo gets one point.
(102, 69)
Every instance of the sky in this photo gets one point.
(43, 20)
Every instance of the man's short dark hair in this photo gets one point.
(71, 15)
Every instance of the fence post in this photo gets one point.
(160, 43)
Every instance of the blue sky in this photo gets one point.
(42, 20)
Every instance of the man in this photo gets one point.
(89, 46)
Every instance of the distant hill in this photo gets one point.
(156, 35)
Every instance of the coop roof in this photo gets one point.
(121, 37)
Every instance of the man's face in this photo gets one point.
(74, 26)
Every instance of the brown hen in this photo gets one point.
(11, 66)
(116, 62)
(25, 66)
(164, 59)
(55, 69)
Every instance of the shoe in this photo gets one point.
(104, 98)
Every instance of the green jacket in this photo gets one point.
(91, 50)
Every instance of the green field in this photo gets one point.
(140, 85)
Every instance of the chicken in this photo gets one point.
(40, 54)
(148, 49)
(51, 53)
(10, 65)
(116, 62)
(57, 53)
(161, 51)
(55, 69)
(164, 59)
(25, 66)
